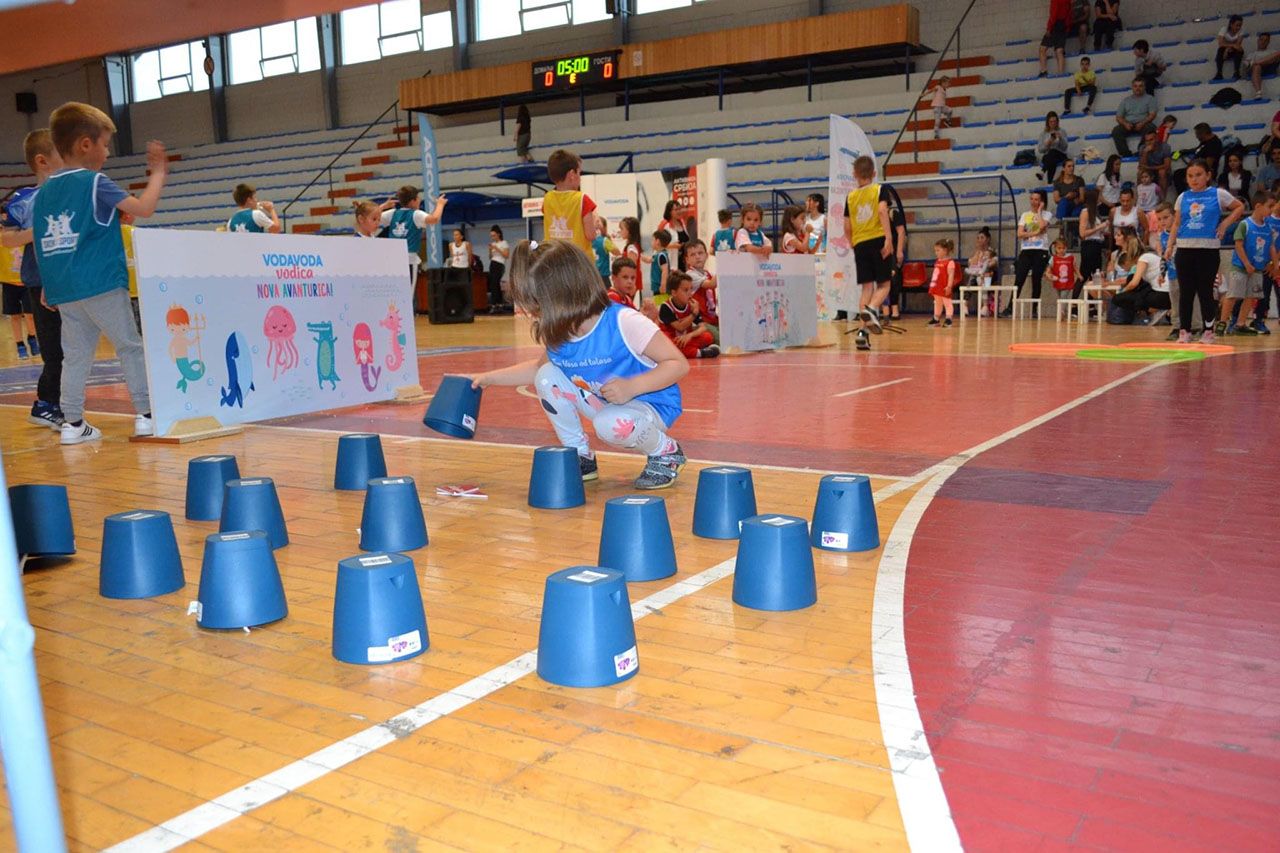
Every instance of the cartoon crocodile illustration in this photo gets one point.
(326, 366)
(239, 371)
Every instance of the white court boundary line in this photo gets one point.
(872, 387)
(922, 802)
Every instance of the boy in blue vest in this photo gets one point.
(722, 240)
(1255, 254)
(81, 255)
(253, 217)
(404, 219)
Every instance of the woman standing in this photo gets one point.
(1033, 254)
(524, 133)
(1052, 148)
(1236, 178)
(1196, 237)
(1093, 239)
(460, 251)
(498, 253)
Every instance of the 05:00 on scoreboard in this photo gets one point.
(573, 71)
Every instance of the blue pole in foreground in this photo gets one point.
(24, 742)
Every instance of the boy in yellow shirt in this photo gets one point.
(866, 226)
(567, 212)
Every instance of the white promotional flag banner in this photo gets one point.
(245, 327)
(847, 143)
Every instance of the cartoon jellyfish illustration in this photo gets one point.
(282, 352)
(362, 341)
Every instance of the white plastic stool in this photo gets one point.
(1025, 306)
(1067, 307)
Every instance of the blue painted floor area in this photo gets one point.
(15, 380)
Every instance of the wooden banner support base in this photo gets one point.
(411, 394)
(192, 429)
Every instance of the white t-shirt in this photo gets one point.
(939, 97)
(1109, 189)
(637, 330)
(1040, 240)
(495, 248)
(419, 218)
(1119, 218)
(1148, 196)
(697, 276)
(1226, 35)
(1152, 274)
(458, 255)
(791, 244)
(816, 225)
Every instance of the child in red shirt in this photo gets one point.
(705, 295)
(946, 275)
(681, 321)
(1062, 267)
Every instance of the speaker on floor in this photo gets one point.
(449, 295)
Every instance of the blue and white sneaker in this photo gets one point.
(46, 415)
(1260, 326)
(72, 434)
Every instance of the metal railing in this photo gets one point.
(328, 169)
(912, 120)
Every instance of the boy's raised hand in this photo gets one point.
(157, 158)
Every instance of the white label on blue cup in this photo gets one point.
(469, 422)
(777, 521)
(835, 540)
(399, 481)
(726, 470)
(231, 537)
(396, 647)
(587, 576)
(635, 501)
(215, 458)
(626, 662)
(379, 560)
(844, 479)
(137, 516)
(251, 482)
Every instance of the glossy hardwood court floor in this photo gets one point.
(1067, 641)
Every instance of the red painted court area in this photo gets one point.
(1092, 622)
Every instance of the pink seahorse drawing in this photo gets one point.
(392, 324)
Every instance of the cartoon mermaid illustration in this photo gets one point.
(185, 335)
(362, 341)
(391, 323)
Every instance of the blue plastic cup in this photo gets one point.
(586, 637)
(207, 478)
(253, 505)
(726, 496)
(775, 564)
(635, 538)
(555, 481)
(377, 610)
(240, 583)
(360, 459)
(42, 521)
(140, 556)
(392, 519)
(454, 408)
(844, 514)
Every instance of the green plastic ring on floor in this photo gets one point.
(1141, 354)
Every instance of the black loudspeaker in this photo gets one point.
(449, 293)
(26, 102)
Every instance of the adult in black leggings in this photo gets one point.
(1197, 269)
(1033, 259)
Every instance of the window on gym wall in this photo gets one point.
(168, 70)
(502, 18)
(289, 48)
(385, 29)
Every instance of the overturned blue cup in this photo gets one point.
(454, 408)
(377, 610)
(635, 538)
(140, 556)
(555, 480)
(726, 495)
(240, 584)
(42, 521)
(586, 637)
(252, 504)
(392, 519)
(359, 460)
(774, 569)
(844, 514)
(207, 478)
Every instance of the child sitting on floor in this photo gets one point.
(705, 295)
(681, 321)
(603, 361)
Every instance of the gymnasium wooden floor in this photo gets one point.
(1067, 641)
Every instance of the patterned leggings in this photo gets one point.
(634, 425)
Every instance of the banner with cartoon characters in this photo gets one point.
(246, 327)
(766, 303)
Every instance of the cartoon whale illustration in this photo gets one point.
(239, 371)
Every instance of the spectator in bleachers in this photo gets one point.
(1093, 238)
(1156, 157)
(1055, 36)
(524, 133)
(253, 216)
(1134, 116)
(1147, 195)
(983, 266)
(1236, 179)
(1263, 62)
(1208, 150)
(792, 241)
(815, 223)
(1033, 254)
(1127, 215)
(1270, 173)
(499, 251)
(1203, 216)
(722, 240)
(1230, 43)
(1052, 148)
(1068, 192)
(1167, 125)
(1109, 185)
(1080, 21)
(1106, 23)
(460, 254)
(1084, 82)
(1148, 64)
(941, 111)
(1146, 292)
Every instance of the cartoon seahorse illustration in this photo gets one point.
(391, 323)
(362, 341)
(239, 371)
(326, 360)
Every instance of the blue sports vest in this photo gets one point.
(1257, 245)
(242, 220)
(603, 355)
(723, 240)
(601, 255)
(1201, 213)
(1171, 271)
(79, 256)
(655, 269)
(402, 228)
(756, 237)
(1274, 222)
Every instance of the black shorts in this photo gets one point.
(1055, 38)
(872, 268)
(17, 300)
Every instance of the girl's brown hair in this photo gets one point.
(364, 208)
(750, 207)
(789, 220)
(949, 245)
(559, 286)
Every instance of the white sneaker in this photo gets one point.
(142, 426)
(79, 434)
